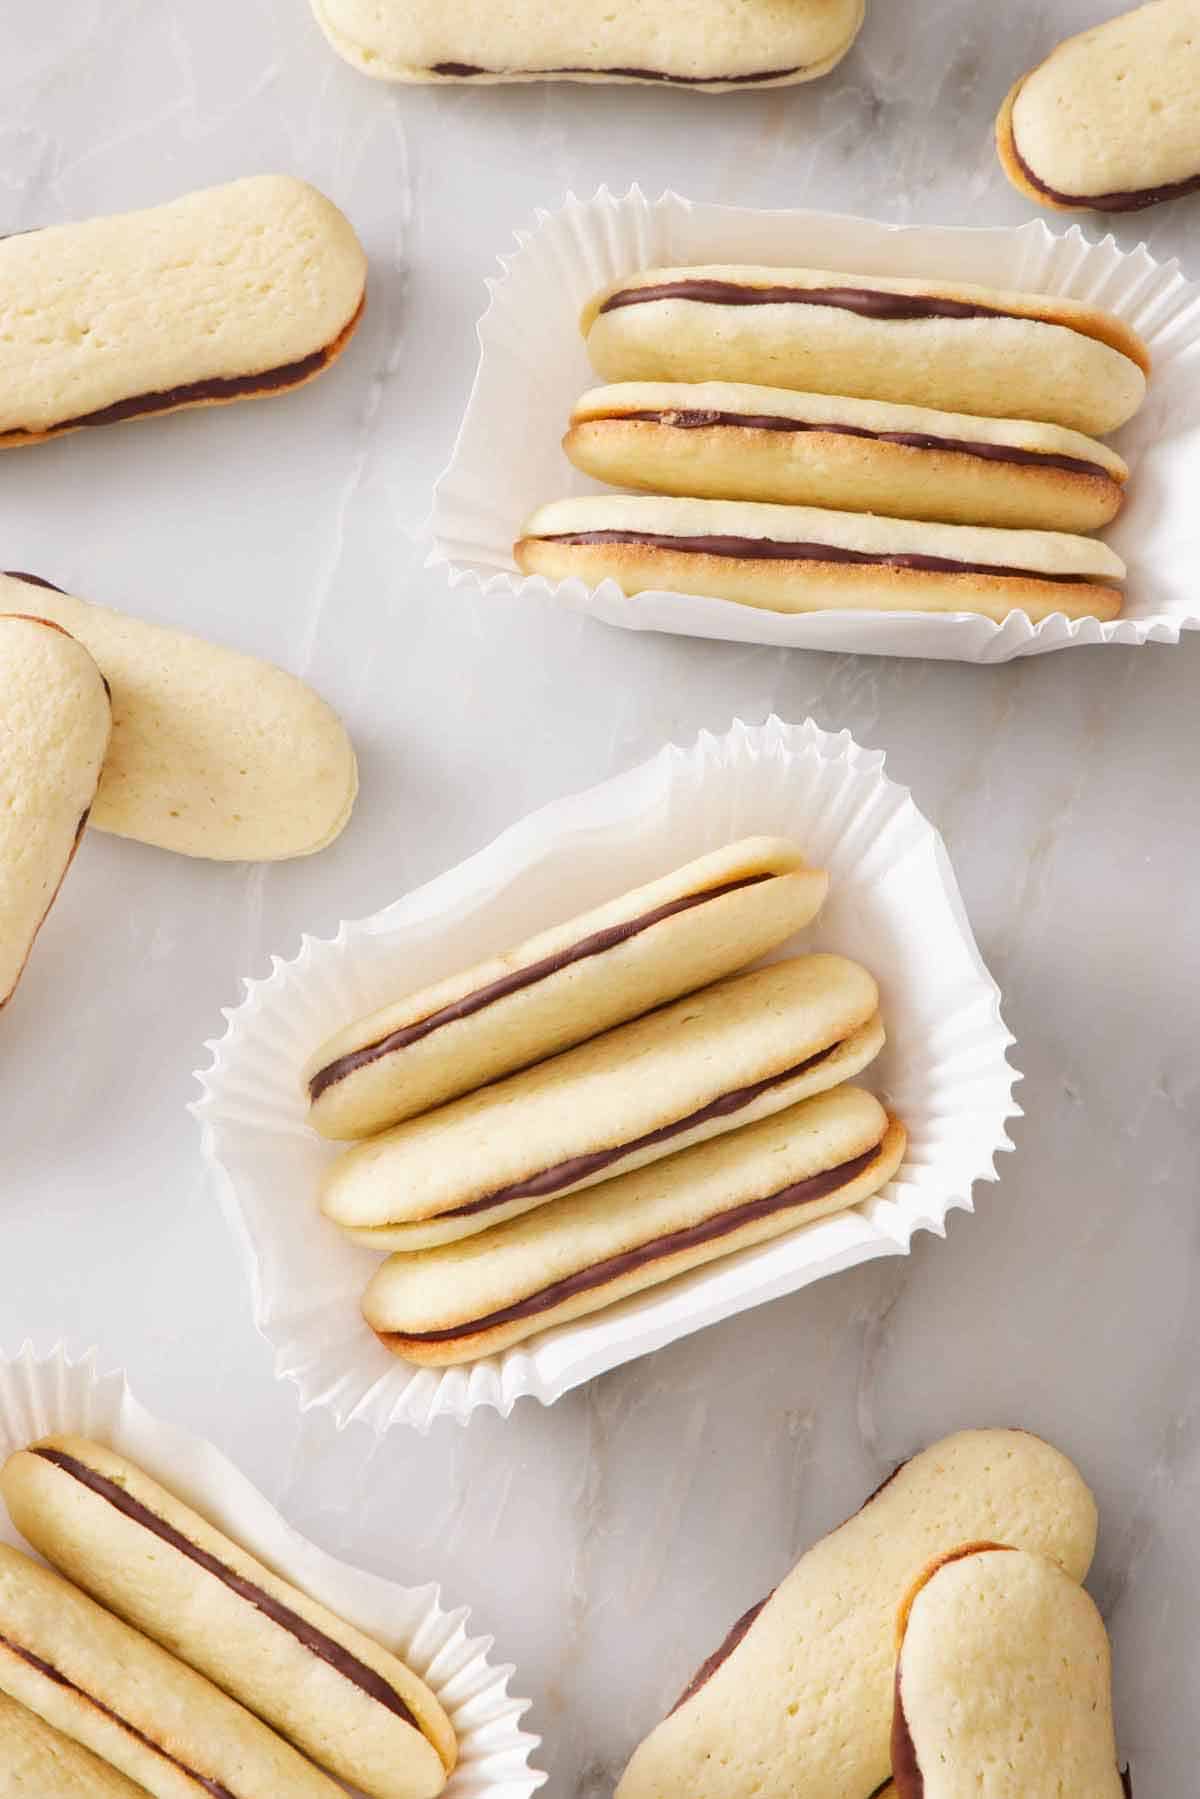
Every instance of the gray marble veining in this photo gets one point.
(609, 1541)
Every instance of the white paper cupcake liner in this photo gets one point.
(533, 367)
(893, 905)
(61, 1392)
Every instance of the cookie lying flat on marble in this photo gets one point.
(55, 720)
(102, 1684)
(806, 559)
(570, 982)
(253, 288)
(943, 344)
(1110, 121)
(737, 1051)
(37, 1762)
(212, 753)
(705, 44)
(721, 440)
(1003, 1683)
(349, 1704)
(797, 1702)
(483, 1294)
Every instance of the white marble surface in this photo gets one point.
(609, 1541)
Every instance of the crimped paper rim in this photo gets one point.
(259, 1148)
(472, 543)
(66, 1390)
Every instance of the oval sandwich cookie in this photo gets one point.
(735, 1052)
(1111, 120)
(55, 720)
(677, 933)
(807, 559)
(113, 1691)
(212, 753)
(703, 44)
(942, 344)
(798, 1699)
(254, 288)
(38, 1762)
(332, 1692)
(483, 1294)
(1003, 1683)
(721, 440)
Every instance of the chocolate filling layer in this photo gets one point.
(708, 1230)
(225, 387)
(212, 1787)
(577, 1168)
(464, 71)
(1133, 199)
(911, 440)
(769, 549)
(340, 1659)
(707, 1669)
(867, 302)
(595, 945)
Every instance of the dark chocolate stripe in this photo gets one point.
(708, 1230)
(769, 549)
(911, 440)
(867, 302)
(1124, 200)
(465, 71)
(708, 1668)
(595, 945)
(212, 1787)
(577, 1168)
(226, 387)
(340, 1659)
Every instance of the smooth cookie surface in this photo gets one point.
(37, 1762)
(254, 287)
(55, 720)
(800, 1706)
(212, 753)
(691, 43)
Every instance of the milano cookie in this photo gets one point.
(114, 1692)
(253, 288)
(924, 343)
(704, 44)
(54, 729)
(721, 441)
(212, 753)
(1003, 1683)
(475, 1297)
(1111, 120)
(350, 1705)
(735, 1052)
(570, 982)
(798, 1699)
(804, 559)
(37, 1762)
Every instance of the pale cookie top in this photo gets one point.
(36, 1759)
(748, 400)
(213, 753)
(687, 40)
(692, 521)
(1116, 110)
(1005, 1684)
(233, 281)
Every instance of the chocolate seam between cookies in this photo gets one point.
(50, 1672)
(600, 1274)
(335, 1655)
(700, 419)
(594, 945)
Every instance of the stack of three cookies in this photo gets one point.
(817, 441)
(608, 1105)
